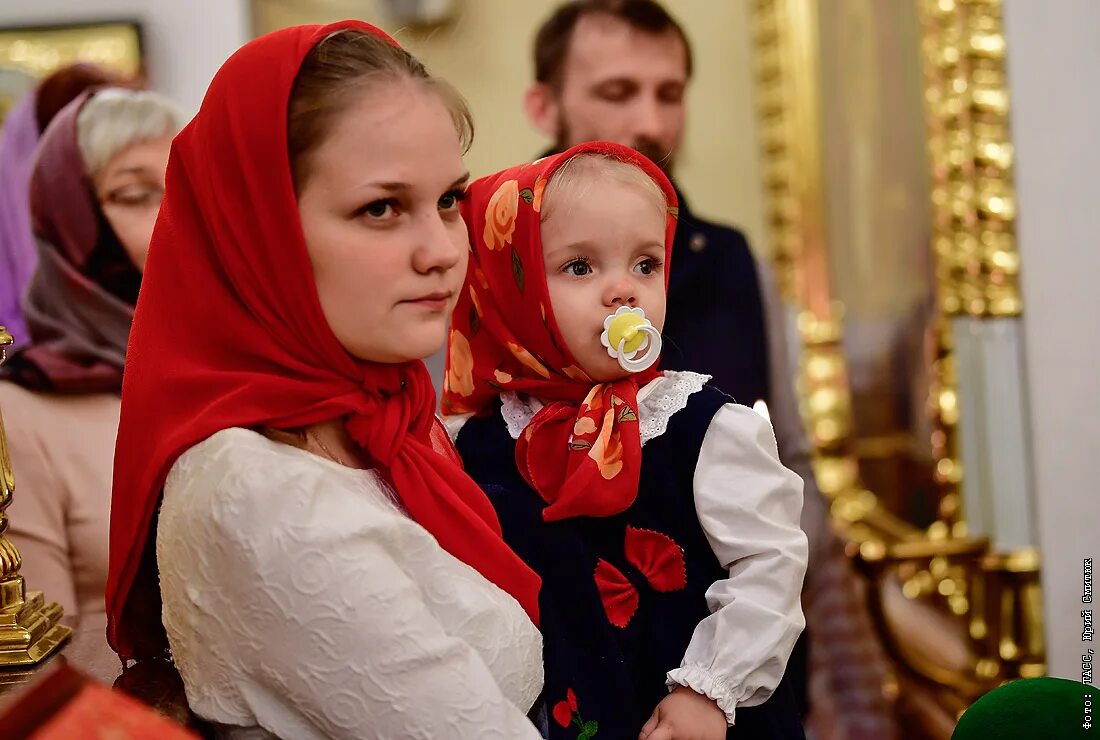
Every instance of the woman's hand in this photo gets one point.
(685, 715)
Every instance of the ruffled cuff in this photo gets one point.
(710, 685)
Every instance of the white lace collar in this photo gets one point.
(658, 400)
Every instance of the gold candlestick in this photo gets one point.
(29, 627)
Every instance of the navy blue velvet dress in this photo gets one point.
(607, 650)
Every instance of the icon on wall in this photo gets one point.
(30, 53)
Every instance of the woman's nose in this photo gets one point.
(438, 249)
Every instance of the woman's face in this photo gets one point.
(130, 188)
(379, 210)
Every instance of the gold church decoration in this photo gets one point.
(970, 147)
(30, 629)
(992, 598)
(38, 51)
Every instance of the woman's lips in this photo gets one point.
(438, 301)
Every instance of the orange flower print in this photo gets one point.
(500, 215)
(502, 377)
(527, 359)
(452, 407)
(481, 280)
(607, 450)
(540, 185)
(460, 374)
(584, 425)
(476, 301)
(594, 400)
(575, 373)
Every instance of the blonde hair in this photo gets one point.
(115, 118)
(342, 63)
(579, 174)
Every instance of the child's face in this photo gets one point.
(601, 253)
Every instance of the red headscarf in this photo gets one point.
(229, 332)
(582, 451)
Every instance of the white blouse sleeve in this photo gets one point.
(749, 507)
(320, 625)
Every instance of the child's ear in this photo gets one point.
(541, 104)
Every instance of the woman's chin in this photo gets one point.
(404, 346)
(425, 341)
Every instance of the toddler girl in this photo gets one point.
(654, 508)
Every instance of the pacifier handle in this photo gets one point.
(626, 322)
(653, 347)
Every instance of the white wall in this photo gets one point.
(185, 40)
(1053, 55)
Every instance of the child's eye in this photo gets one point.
(578, 268)
(648, 266)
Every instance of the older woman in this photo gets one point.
(95, 190)
(22, 129)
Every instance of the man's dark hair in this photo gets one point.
(552, 40)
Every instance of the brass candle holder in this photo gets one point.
(30, 628)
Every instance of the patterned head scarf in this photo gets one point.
(582, 450)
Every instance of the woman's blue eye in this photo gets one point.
(578, 268)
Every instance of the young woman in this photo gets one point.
(323, 570)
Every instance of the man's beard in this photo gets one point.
(660, 156)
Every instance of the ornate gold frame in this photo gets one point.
(39, 50)
(993, 598)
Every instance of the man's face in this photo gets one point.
(624, 85)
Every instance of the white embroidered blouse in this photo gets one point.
(300, 602)
(749, 506)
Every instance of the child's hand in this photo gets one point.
(685, 715)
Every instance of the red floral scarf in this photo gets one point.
(582, 451)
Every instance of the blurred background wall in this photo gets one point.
(485, 51)
(184, 42)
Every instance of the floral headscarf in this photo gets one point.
(582, 450)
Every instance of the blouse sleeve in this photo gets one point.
(749, 506)
(319, 627)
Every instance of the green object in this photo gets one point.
(1033, 708)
